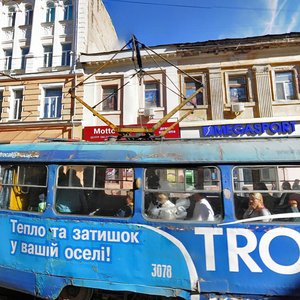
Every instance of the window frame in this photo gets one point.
(1, 102)
(50, 12)
(25, 51)
(28, 15)
(238, 86)
(66, 57)
(16, 104)
(109, 187)
(102, 81)
(56, 100)
(68, 10)
(158, 94)
(8, 59)
(158, 78)
(108, 96)
(293, 82)
(11, 16)
(248, 86)
(25, 188)
(200, 76)
(212, 187)
(284, 173)
(47, 56)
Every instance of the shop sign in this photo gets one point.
(102, 133)
(249, 129)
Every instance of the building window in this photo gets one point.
(190, 87)
(28, 15)
(52, 103)
(110, 98)
(8, 59)
(50, 12)
(16, 105)
(25, 51)
(11, 17)
(285, 86)
(68, 10)
(152, 94)
(1, 103)
(48, 53)
(238, 88)
(66, 55)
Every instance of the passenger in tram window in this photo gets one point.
(71, 201)
(269, 201)
(152, 179)
(202, 210)
(127, 210)
(293, 206)
(296, 185)
(37, 195)
(286, 186)
(164, 210)
(182, 206)
(18, 195)
(256, 207)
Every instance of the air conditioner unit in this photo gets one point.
(149, 112)
(237, 107)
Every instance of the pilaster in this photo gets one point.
(263, 90)
(216, 94)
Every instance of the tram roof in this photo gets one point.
(251, 150)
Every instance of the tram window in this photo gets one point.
(186, 194)
(23, 187)
(94, 190)
(276, 185)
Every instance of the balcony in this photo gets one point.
(47, 29)
(8, 34)
(67, 28)
(25, 32)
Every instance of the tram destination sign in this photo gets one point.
(249, 129)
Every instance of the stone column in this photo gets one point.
(263, 90)
(216, 94)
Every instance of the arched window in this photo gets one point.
(11, 17)
(28, 15)
(50, 12)
(68, 10)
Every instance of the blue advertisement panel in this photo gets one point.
(100, 252)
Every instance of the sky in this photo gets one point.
(157, 22)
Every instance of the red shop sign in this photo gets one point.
(102, 133)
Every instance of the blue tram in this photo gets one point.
(147, 220)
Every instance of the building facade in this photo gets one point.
(245, 81)
(40, 45)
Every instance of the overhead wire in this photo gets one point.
(103, 66)
(178, 94)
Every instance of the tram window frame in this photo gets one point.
(187, 189)
(280, 197)
(23, 187)
(99, 190)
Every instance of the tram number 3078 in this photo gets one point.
(161, 271)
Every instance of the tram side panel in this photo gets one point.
(135, 257)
